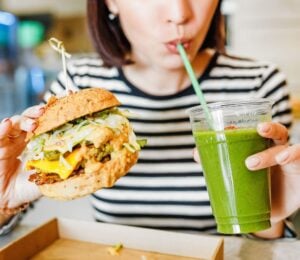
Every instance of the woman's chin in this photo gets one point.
(171, 63)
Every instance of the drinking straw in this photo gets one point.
(195, 84)
(59, 47)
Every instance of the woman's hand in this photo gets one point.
(284, 161)
(15, 189)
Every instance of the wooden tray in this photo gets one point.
(72, 239)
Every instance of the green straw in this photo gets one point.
(195, 84)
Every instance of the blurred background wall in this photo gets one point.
(267, 30)
(270, 30)
(28, 64)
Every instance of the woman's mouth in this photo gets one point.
(172, 45)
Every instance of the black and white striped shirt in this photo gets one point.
(166, 188)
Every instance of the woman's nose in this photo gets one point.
(179, 11)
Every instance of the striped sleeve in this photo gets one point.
(274, 86)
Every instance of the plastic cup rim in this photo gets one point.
(232, 103)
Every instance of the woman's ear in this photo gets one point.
(112, 6)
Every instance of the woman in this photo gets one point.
(136, 41)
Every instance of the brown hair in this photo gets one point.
(112, 45)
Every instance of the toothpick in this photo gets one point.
(59, 47)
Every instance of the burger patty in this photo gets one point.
(50, 178)
(41, 178)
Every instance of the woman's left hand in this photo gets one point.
(284, 161)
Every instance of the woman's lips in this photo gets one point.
(172, 46)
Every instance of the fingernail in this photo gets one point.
(283, 156)
(265, 128)
(252, 162)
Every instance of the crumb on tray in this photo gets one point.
(115, 249)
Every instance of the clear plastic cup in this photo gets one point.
(240, 198)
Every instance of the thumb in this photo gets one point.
(25, 191)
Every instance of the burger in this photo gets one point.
(83, 143)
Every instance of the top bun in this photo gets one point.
(75, 105)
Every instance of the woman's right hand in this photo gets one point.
(15, 189)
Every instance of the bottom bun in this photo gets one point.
(87, 183)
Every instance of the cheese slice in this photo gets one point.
(57, 167)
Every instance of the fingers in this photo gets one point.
(5, 127)
(12, 150)
(290, 154)
(14, 129)
(27, 124)
(264, 159)
(34, 112)
(282, 154)
(275, 131)
(20, 125)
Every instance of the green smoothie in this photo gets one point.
(240, 198)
